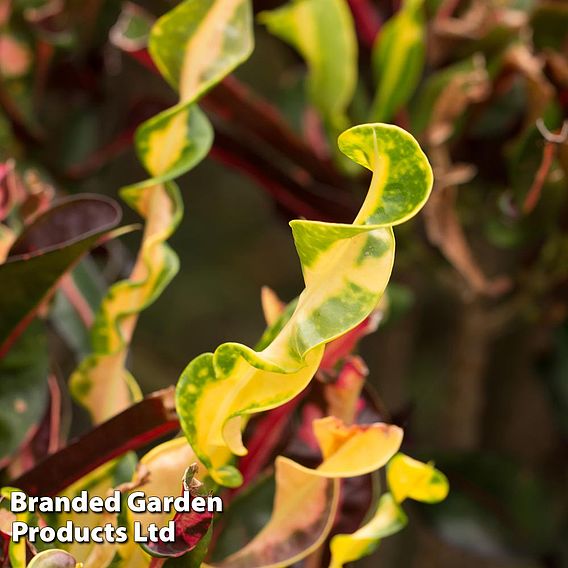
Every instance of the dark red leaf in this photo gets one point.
(47, 248)
(190, 527)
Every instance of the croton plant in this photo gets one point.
(292, 416)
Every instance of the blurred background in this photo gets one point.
(473, 357)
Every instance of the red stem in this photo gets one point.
(367, 21)
(533, 196)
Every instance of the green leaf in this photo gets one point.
(44, 252)
(398, 60)
(346, 269)
(323, 32)
(23, 388)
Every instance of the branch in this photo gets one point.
(236, 103)
(297, 199)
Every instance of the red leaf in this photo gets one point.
(190, 527)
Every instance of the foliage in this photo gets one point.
(290, 432)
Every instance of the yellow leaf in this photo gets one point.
(408, 477)
(349, 451)
(272, 306)
(303, 513)
(388, 519)
(306, 499)
(165, 466)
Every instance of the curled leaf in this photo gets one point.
(406, 477)
(303, 513)
(346, 269)
(190, 527)
(387, 520)
(349, 451)
(163, 469)
(306, 499)
(194, 46)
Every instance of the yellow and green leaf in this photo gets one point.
(323, 32)
(388, 519)
(98, 483)
(406, 477)
(194, 46)
(398, 60)
(160, 473)
(410, 478)
(165, 466)
(346, 269)
(306, 499)
(17, 550)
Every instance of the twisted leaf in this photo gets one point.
(194, 46)
(346, 269)
(387, 520)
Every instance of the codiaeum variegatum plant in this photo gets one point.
(346, 269)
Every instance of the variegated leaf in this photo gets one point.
(406, 477)
(346, 269)
(194, 45)
(398, 59)
(410, 478)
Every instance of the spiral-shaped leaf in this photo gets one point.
(194, 46)
(346, 269)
